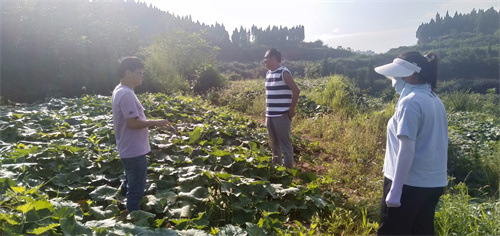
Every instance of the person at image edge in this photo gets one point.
(415, 165)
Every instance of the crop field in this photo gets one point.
(60, 172)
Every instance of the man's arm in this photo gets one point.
(287, 77)
(135, 123)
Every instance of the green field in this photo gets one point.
(60, 172)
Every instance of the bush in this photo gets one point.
(208, 79)
(340, 94)
(312, 70)
(246, 96)
(238, 70)
(168, 83)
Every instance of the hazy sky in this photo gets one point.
(376, 25)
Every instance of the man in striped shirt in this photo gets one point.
(281, 98)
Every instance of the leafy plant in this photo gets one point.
(214, 173)
(474, 151)
(460, 214)
(341, 96)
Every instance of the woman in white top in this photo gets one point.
(415, 165)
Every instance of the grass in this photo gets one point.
(460, 214)
(464, 100)
(351, 131)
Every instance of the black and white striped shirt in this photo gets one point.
(278, 94)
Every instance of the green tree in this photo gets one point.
(175, 60)
(325, 67)
(312, 70)
(209, 78)
(370, 74)
(54, 48)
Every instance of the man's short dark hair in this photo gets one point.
(129, 63)
(274, 52)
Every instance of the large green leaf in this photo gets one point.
(197, 195)
(241, 217)
(268, 206)
(231, 230)
(182, 209)
(70, 226)
(318, 201)
(101, 224)
(64, 208)
(41, 230)
(101, 193)
(11, 219)
(142, 218)
(98, 213)
(6, 184)
(26, 207)
(195, 134)
(255, 230)
(64, 179)
(286, 207)
(192, 232)
(157, 204)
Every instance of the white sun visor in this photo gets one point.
(398, 68)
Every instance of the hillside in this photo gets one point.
(71, 48)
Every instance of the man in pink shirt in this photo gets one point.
(131, 130)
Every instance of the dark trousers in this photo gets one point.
(415, 216)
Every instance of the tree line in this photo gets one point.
(69, 48)
(270, 36)
(442, 28)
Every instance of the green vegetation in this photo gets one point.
(71, 48)
(353, 149)
(460, 214)
(178, 60)
(60, 172)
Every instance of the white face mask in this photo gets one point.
(398, 83)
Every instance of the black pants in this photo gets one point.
(415, 216)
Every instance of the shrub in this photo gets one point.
(340, 94)
(312, 70)
(208, 79)
(238, 70)
(246, 96)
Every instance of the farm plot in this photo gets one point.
(60, 173)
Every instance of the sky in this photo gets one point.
(376, 25)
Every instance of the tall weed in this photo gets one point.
(246, 96)
(351, 130)
(464, 100)
(340, 94)
(345, 222)
(354, 152)
(460, 214)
